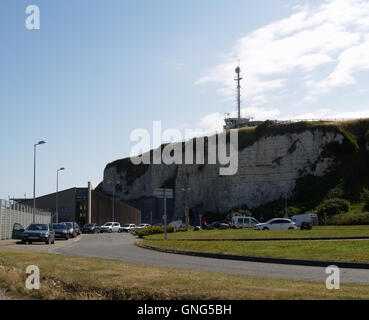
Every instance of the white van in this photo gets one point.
(310, 218)
(244, 222)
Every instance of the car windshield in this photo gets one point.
(59, 226)
(127, 225)
(108, 224)
(69, 224)
(89, 225)
(37, 227)
(142, 225)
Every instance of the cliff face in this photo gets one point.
(270, 162)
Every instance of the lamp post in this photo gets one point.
(34, 179)
(56, 197)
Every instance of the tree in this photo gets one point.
(365, 197)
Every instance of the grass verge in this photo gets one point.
(65, 277)
(317, 232)
(339, 251)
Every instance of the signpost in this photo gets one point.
(164, 194)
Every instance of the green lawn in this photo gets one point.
(66, 277)
(317, 232)
(343, 250)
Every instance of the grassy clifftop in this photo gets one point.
(356, 133)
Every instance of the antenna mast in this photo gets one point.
(238, 79)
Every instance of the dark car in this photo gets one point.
(39, 232)
(217, 225)
(90, 228)
(61, 230)
(210, 226)
(17, 231)
(306, 226)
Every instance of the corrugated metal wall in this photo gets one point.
(16, 213)
(101, 208)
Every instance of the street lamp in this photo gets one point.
(34, 179)
(56, 196)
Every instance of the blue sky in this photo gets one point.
(96, 70)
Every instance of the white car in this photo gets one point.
(309, 218)
(244, 222)
(143, 225)
(127, 228)
(110, 227)
(277, 224)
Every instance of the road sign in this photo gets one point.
(163, 193)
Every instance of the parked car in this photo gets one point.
(17, 231)
(217, 225)
(110, 227)
(72, 232)
(39, 232)
(308, 218)
(244, 222)
(143, 225)
(127, 228)
(209, 226)
(90, 228)
(61, 230)
(77, 228)
(277, 224)
(306, 226)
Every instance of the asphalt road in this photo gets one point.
(120, 246)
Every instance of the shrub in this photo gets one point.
(291, 211)
(349, 219)
(262, 128)
(333, 206)
(153, 230)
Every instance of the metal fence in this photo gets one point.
(11, 213)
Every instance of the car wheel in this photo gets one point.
(290, 228)
(110, 231)
(23, 242)
(48, 241)
(29, 242)
(52, 242)
(265, 229)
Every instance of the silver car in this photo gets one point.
(110, 227)
(127, 228)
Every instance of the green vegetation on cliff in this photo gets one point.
(346, 180)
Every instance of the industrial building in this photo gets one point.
(84, 205)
